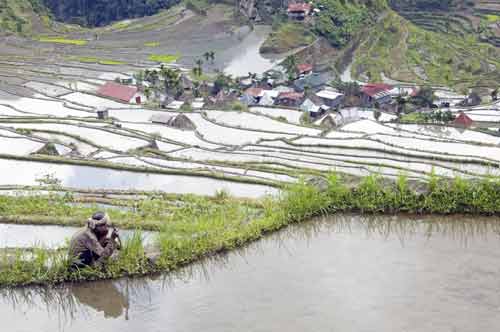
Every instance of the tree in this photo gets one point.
(494, 95)
(196, 89)
(290, 65)
(198, 70)
(147, 92)
(222, 81)
(206, 55)
(347, 88)
(401, 106)
(212, 56)
(424, 98)
(139, 78)
(171, 79)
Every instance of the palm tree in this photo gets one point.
(206, 55)
(199, 69)
(196, 89)
(212, 56)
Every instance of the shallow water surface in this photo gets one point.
(51, 237)
(246, 56)
(86, 177)
(346, 273)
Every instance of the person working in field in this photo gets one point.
(92, 245)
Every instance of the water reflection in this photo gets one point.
(298, 253)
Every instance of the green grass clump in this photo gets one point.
(59, 40)
(152, 44)
(492, 18)
(194, 227)
(164, 58)
(121, 25)
(97, 60)
(288, 36)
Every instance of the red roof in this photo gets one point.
(254, 92)
(371, 89)
(117, 91)
(304, 68)
(299, 7)
(291, 95)
(463, 120)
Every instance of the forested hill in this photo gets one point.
(102, 12)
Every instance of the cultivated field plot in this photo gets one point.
(49, 128)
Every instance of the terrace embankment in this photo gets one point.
(294, 278)
(194, 228)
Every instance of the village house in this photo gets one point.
(312, 81)
(331, 97)
(175, 105)
(123, 93)
(298, 11)
(252, 96)
(197, 103)
(304, 69)
(159, 118)
(313, 108)
(292, 99)
(373, 93)
(463, 121)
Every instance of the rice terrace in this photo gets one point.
(254, 165)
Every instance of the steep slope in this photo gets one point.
(401, 50)
(22, 16)
(102, 12)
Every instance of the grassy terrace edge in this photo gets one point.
(219, 224)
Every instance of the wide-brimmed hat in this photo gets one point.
(98, 219)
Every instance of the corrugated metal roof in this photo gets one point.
(117, 91)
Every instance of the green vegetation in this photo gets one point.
(286, 37)
(61, 40)
(97, 60)
(492, 18)
(20, 16)
(120, 25)
(164, 58)
(204, 227)
(340, 20)
(152, 44)
(102, 12)
(408, 53)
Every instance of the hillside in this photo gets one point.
(406, 52)
(477, 17)
(103, 12)
(22, 16)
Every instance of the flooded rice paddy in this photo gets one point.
(85, 177)
(343, 273)
(50, 237)
(247, 58)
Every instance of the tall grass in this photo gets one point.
(204, 227)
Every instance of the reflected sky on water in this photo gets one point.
(342, 273)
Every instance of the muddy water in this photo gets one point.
(342, 274)
(51, 237)
(246, 56)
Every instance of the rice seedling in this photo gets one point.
(192, 227)
(164, 58)
(60, 40)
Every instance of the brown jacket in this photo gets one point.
(85, 240)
